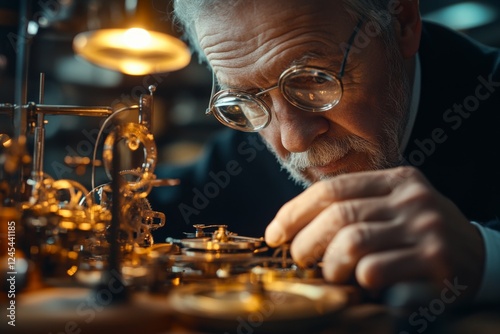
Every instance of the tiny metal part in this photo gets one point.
(146, 111)
(220, 235)
(133, 132)
(83, 161)
(165, 182)
(221, 240)
(201, 227)
(213, 245)
(205, 257)
(5, 140)
(153, 219)
(199, 230)
(240, 237)
(284, 250)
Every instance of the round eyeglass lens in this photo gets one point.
(241, 111)
(311, 89)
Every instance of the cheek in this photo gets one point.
(358, 115)
(364, 107)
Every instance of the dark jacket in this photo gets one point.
(455, 141)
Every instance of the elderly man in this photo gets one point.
(388, 121)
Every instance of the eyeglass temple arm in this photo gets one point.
(349, 44)
(208, 111)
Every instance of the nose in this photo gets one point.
(297, 128)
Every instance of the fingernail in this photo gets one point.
(275, 235)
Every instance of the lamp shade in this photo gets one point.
(131, 36)
(133, 51)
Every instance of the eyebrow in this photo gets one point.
(307, 57)
(324, 56)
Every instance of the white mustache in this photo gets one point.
(325, 151)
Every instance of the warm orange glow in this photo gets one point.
(132, 51)
(137, 38)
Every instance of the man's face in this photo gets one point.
(251, 44)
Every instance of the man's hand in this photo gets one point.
(382, 227)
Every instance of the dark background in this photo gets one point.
(181, 97)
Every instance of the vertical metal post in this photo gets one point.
(39, 137)
(112, 276)
(146, 109)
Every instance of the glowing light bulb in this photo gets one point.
(136, 38)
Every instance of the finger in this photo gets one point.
(298, 212)
(355, 241)
(310, 243)
(383, 269)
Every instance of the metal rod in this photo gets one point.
(96, 111)
(112, 274)
(114, 270)
(41, 89)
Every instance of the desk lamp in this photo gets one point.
(123, 38)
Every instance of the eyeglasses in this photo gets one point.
(308, 88)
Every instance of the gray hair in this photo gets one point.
(186, 13)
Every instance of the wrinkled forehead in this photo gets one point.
(245, 32)
(240, 19)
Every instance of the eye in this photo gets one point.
(318, 80)
(308, 80)
(310, 84)
(234, 109)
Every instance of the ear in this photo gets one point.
(407, 26)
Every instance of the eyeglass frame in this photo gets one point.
(256, 97)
